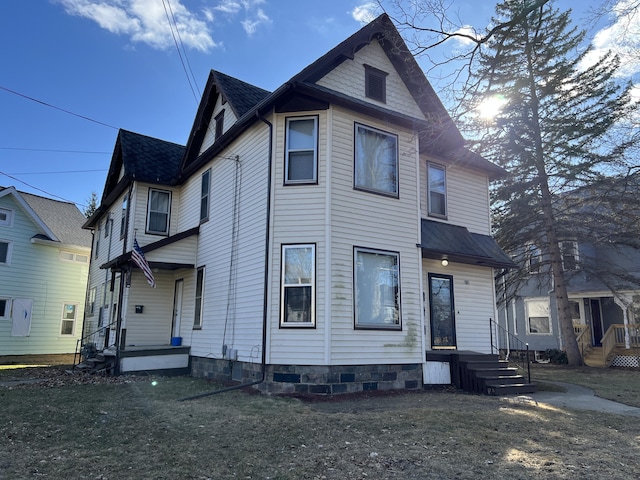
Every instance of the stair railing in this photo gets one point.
(503, 343)
(583, 337)
(82, 344)
(608, 343)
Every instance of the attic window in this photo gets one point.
(219, 124)
(375, 84)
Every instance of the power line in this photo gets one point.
(184, 50)
(62, 171)
(51, 150)
(57, 108)
(40, 190)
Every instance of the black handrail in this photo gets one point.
(80, 343)
(504, 342)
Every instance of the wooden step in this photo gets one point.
(502, 380)
(493, 372)
(515, 389)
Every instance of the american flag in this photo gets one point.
(137, 256)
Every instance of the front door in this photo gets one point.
(177, 308)
(441, 311)
(596, 322)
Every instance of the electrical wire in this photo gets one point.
(184, 50)
(57, 108)
(53, 150)
(40, 190)
(61, 171)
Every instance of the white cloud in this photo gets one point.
(145, 21)
(254, 16)
(621, 37)
(251, 24)
(365, 12)
(467, 31)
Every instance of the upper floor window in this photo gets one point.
(107, 227)
(375, 84)
(5, 252)
(123, 218)
(205, 189)
(158, 208)
(6, 217)
(219, 124)
(298, 286)
(437, 190)
(91, 301)
(570, 256)
(533, 258)
(376, 161)
(377, 289)
(96, 248)
(301, 163)
(69, 315)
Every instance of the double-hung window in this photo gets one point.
(69, 315)
(301, 163)
(298, 285)
(537, 313)
(205, 189)
(123, 216)
(570, 257)
(158, 208)
(437, 190)
(376, 289)
(197, 318)
(376, 161)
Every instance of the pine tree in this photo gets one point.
(92, 204)
(558, 130)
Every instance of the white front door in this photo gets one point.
(177, 308)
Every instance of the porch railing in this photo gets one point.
(583, 337)
(608, 343)
(85, 347)
(627, 336)
(509, 347)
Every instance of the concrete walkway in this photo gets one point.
(578, 398)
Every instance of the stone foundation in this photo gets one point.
(311, 379)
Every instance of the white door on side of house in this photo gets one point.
(177, 308)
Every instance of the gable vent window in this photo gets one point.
(219, 124)
(375, 84)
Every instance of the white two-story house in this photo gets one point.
(331, 236)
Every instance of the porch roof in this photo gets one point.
(455, 243)
(125, 258)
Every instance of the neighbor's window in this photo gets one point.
(5, 308)
(219, 124)
(96, 250)
(537, 313)
(69, 314)
(205, 188)
(375, 84)
(6, 217)
(107, 228)
(197, 319)
(437, 190)
(570, 257)
(298, 286)
(377, 289)
(376, 161)
(123, 218)
(72, 257)
(574, 306)
(534, 258)
(91, 301)
(5, 252)
(301, 162)
(158, 208)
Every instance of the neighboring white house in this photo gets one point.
(44, 264)
(328, 237)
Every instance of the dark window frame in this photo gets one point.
(205, 197)
(431, 213)
(363, 188)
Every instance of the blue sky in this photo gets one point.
(115, 62)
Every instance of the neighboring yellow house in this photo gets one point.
(44, 265)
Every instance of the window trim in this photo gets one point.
(9, 244)
(63, 319)
(206, 195)
(373, 72)
(375, 191)
(149, 212)
(431, 213)
(398, 300)
(8, 222)
(199, 299)
(284, 286)
(314, 180)
(527, 301)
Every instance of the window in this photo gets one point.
(533, 258)
(5, 252)
(107, 228)
(69, 313)
(375, 84)
(219, 124)
(72, 257)
(298, 286)
(91, 301)
(197, 319)
(205, 188)
(301, 163)
(574, 306)
(437, 190)
(97, 241)
(158, 211)
(537, 313)
(376, 161)
(570, 257)
(6, 217)
(377, 289)
(5, 308)
(123, 219)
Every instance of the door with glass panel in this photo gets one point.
(442, 311)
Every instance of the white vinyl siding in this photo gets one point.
(229, 120)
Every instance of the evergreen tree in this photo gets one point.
(559, 128)
(92, 204)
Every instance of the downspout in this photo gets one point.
(265, 303)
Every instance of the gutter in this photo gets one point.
(265, 302)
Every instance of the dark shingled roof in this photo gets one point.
(241, 96)
(148, 159)
(455, 243)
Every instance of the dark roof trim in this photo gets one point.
(125, 258)
(455, 243)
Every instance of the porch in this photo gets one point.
(619, 346)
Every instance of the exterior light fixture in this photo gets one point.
(445, 262)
